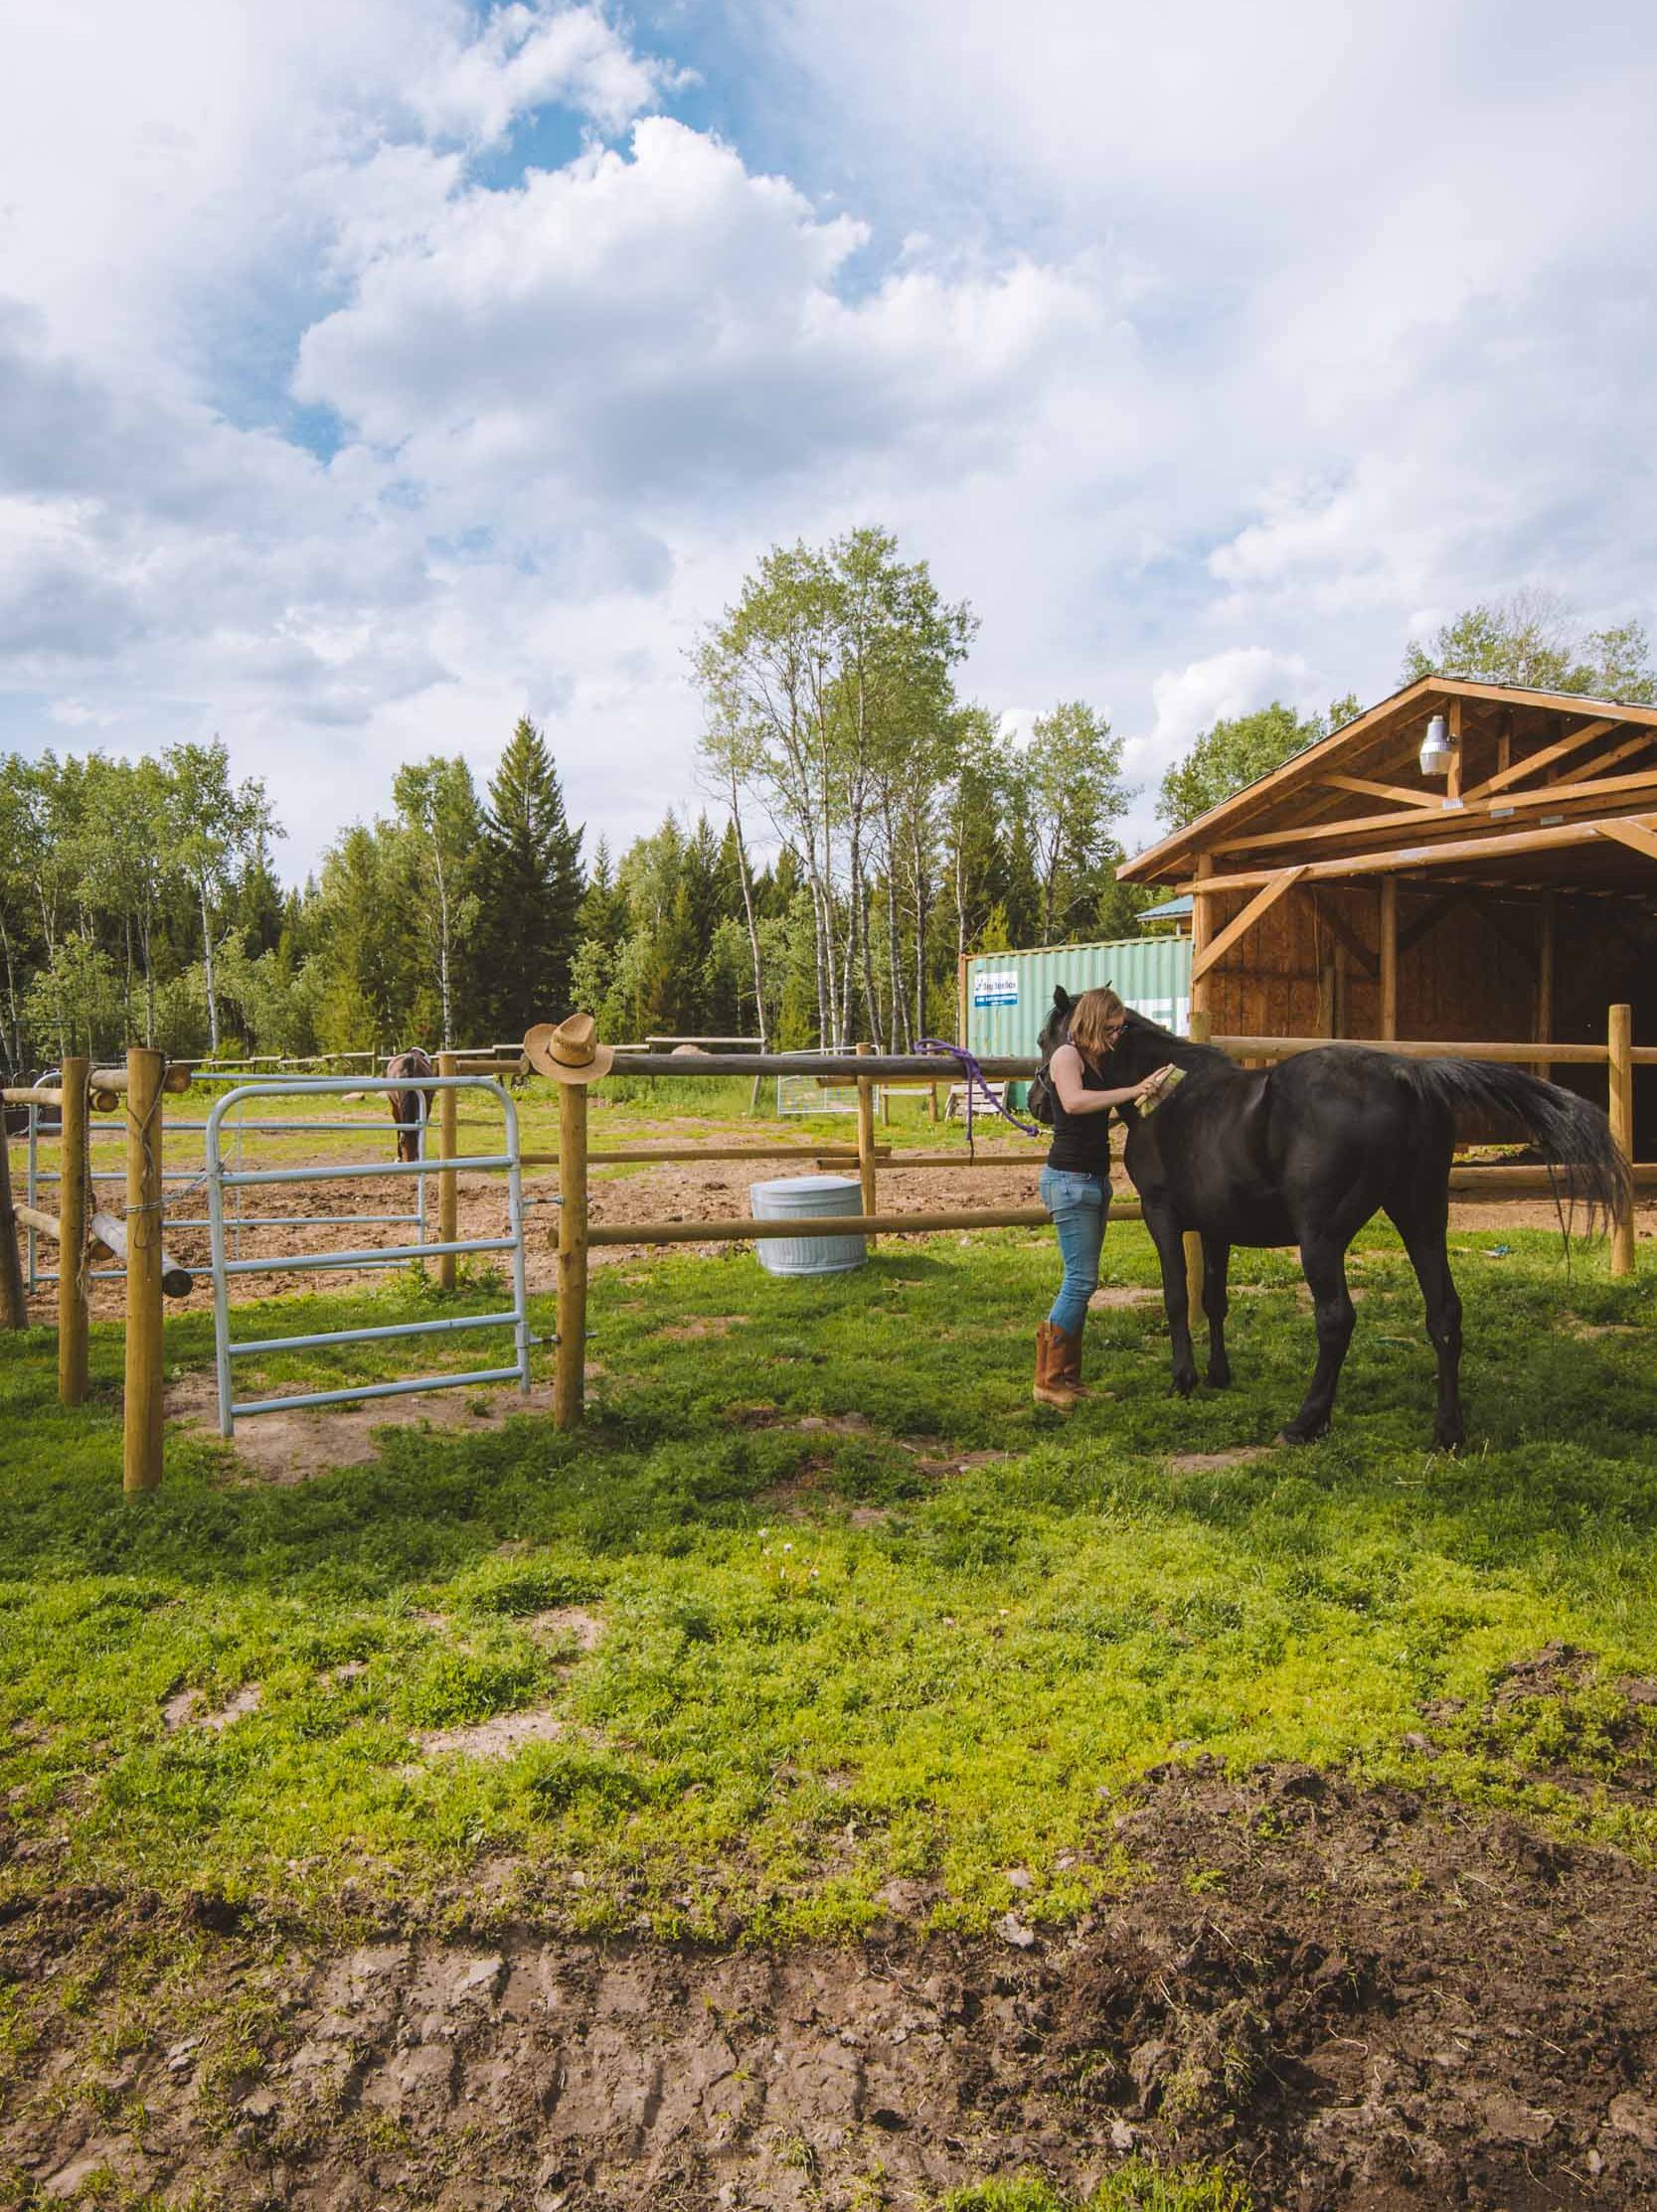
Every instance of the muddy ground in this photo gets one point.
(703, 1190)
(1356, 1997)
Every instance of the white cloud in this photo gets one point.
(1207, 352)
(525, 57)
(1186, 702)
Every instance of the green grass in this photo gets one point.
(826, 1663)
(1136, 2186)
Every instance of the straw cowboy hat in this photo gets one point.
(567, 1051)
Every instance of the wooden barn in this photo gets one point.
(1467, 862)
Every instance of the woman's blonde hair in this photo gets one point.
(1090, 1015)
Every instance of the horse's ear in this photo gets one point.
(1060, 998)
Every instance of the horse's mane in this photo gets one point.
(1182, 1051)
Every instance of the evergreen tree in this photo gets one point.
(529, 891)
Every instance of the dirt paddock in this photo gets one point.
(1357, 1997)
(704, 1191)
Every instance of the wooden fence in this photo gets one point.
(577, 1235)
(135, 1238)
(142, 1083)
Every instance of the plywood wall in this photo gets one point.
(1469, 979)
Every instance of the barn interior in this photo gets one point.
(1466, 863)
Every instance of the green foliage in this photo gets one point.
(1534, 638)
(529, 892)
(1072, 779)
(1235, 752)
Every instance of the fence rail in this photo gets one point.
(578, 1234)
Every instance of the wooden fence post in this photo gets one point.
(1389, 957)
(73, 1189)
(569, 1372)
(448, 1196)
(1620, 1038)
(14, 1311)
(866, 1139)
(1200, 1030)
(142, 1425)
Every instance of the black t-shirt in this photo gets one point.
(1081, 1141)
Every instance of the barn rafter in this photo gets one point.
(1352, 894)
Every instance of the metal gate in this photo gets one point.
(229, 1175)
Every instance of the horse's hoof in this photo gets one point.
(1289, 1436)
(1449, 1443)
(1219, 1379)
(1182, 1386)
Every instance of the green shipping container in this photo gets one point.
(1009, 995)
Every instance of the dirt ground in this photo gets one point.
(704, 1191)
(1359, 1999)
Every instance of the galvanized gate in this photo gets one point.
(231, 1176)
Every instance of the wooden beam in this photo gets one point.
(1544, 759)
(1389, 956)
(1372, 730)
(1394, 791)
(1202, 927)
(1430, 915)
(1630, 746)
(1443, 821)
(1344, 934)
(1639, 836)
(1452, 788)
(1547, 947)
(1285, 880)
(1407, 857)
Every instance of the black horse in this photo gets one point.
(1304, 1154)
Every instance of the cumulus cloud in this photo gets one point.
(527, 55)
(1204, 351)
(659, 323)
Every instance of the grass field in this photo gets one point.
(823, 1656)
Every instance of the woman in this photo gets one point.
(1076, 1183)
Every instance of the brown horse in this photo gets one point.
(410, 1108)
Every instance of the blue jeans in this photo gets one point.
(1079, 1205)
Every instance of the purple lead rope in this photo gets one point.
(976, 1081)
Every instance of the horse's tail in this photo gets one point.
(1574, 1134)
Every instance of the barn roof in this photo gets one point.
(1539, 777)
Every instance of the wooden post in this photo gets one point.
(1547, 945)
(143, 1427)
(1389, 956)
(1202, 930)
(449, 1197)
(569, 1372)
(866, 1139)
(1619, 1037)
(1453, 790)
(73, 1187)
(1200, 1029)
(14, 1310)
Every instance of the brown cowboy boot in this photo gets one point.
(1064, 1364)
(1051, 1389)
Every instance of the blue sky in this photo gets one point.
(371, 375)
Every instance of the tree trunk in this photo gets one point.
(747, 910)
(14, 1046)
(922, 912)
(146, 939)
(893, 955)
(442, 945)
(207, 961)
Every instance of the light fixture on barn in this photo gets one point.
(1437, 753)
